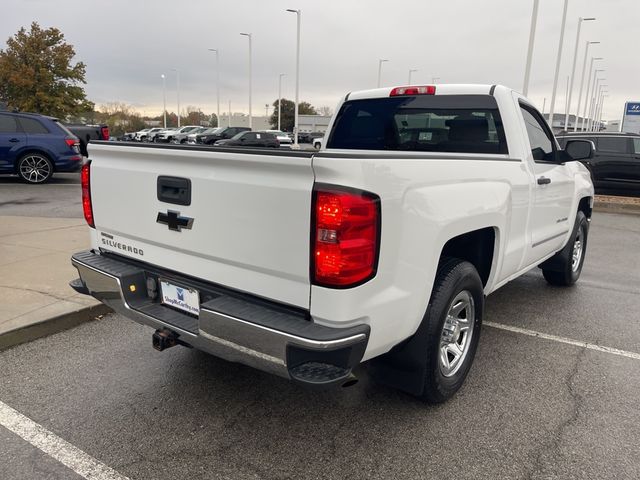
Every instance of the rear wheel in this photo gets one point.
(35, 168)
(453, 321)
(565, 267)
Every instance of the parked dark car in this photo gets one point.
(251, 139)
(192, 138)
(86, 133)
(307, 137)
(224, 134)
(34, 146)
(615, 166)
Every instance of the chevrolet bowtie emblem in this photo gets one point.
(174, 220)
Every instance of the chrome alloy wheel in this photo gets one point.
(455, 340)
(578, 249)
(35, 169)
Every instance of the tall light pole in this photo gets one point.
(164, 98)
(566, 103)
(229, 117)
(596, 112)
(215, 50)
(573, 70)
(601, 108)
(558, 60)
(178, 91)
(411, 70)
(380, 62)
(586, 97)
(593, 95)
(295, 118)
(584, 67)
(280, 99)
(532, 36)
(594, 102)
(248, 35)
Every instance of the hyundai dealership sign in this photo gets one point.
(631, 119)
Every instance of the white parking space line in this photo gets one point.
(568, 341)
(73, 458)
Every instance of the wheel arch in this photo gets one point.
(31, 149)
(585, 205)
(477, 247)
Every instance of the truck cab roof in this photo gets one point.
(440, 89)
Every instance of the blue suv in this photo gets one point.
(34, 146)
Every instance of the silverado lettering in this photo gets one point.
(121, 246)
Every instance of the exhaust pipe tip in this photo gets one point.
(350, 381)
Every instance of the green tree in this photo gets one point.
(288, 113)
(37, 74)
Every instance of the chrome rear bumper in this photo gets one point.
(231, 325)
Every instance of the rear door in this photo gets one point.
(553, 189)
(11, 140)
(614, 161)
(244, 222)
(635, 165)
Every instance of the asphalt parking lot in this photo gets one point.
(61, 197)
(532, 407)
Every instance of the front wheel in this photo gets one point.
(565, 267)
(35, 168)
(453, 321)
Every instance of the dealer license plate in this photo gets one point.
(185, 299)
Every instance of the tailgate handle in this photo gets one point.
(175, 190)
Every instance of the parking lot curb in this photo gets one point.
(616, 207)
(52, 325)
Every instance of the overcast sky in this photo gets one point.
(128, 44)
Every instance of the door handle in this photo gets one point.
(543, 181)
(14, 140)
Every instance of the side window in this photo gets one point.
(613, 144)
(542, 146)
(30, 125)
(8, 124)
(636, 146)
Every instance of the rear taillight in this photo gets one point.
(71, 142)
(87, 208)
(346, 235)
(105, 132)
(424, 90)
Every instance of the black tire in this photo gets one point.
(561, 270)
(35, 168)
(454, 277)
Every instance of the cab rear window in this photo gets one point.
(425, 123)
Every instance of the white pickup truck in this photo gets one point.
(379, 248)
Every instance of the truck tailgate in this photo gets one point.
(250, 214)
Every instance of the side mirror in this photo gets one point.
(579, 149)
(242, 139)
